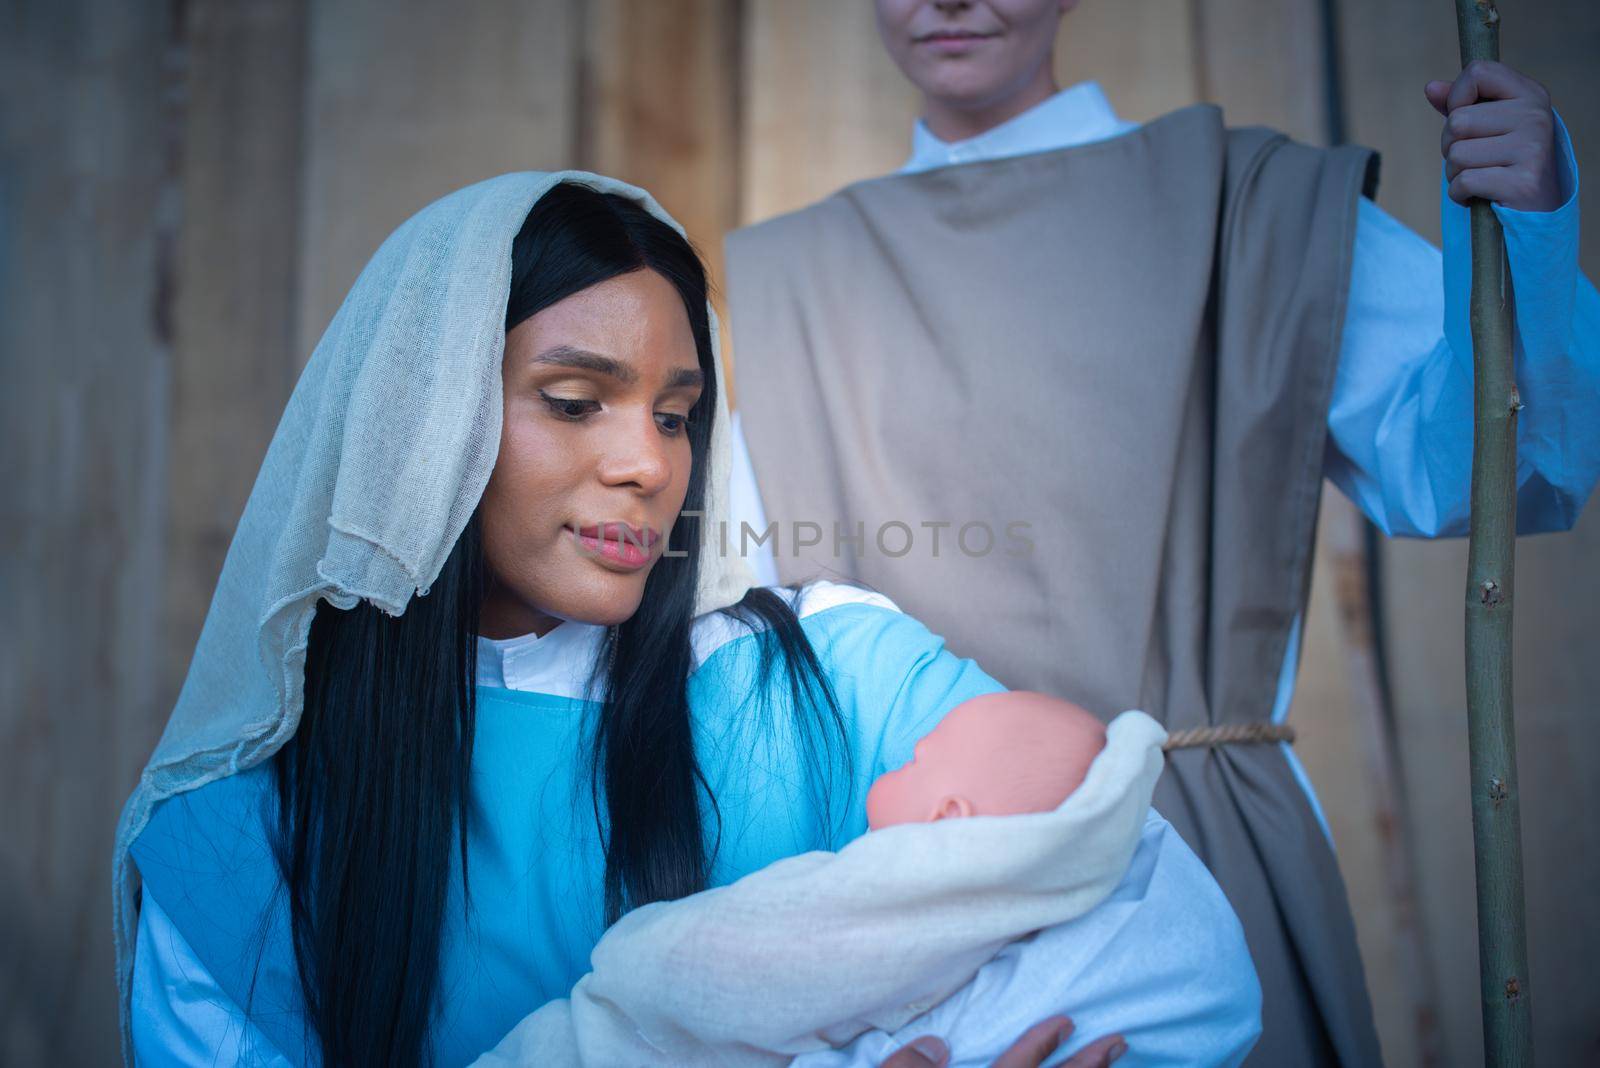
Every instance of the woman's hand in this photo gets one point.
(1499, 137)
(1029, 1051)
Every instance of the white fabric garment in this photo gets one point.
(1075, 115)
(1192, 1000)
(814, 950)
(1400, 418)
(559, 661)
(380, 458)
(181, 1017)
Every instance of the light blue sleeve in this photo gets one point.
(1161, 962)
(894, 677)
(181, 1017)
(1400, 420)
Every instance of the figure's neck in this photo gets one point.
(950, 121)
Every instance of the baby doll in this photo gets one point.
(995, 755)
(1017, 813)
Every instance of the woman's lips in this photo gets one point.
(617, 543)
(952, 42)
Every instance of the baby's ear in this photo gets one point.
(952, 808)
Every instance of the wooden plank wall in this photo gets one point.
(87, 218)
(189, 188)
(409, 100)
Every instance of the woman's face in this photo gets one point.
(594, 455)
(970, 54)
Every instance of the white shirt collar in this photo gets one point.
(558, 663)
(1076, 115)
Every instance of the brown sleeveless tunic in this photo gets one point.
(1116, 358)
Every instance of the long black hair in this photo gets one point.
(373, 790)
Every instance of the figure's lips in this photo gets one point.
(619, 543)
(951, 38)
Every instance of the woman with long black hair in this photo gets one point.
(477, 678)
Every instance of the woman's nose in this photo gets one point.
(638, 456)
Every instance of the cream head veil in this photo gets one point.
(381, 456)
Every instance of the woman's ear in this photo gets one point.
(952, 808)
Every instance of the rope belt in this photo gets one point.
(1230, 734)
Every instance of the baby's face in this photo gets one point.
(999, 754)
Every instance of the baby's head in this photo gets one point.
(996, 755)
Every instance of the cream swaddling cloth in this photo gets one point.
(813, 950)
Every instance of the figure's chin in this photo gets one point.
(603, 599)
(964, 87)
(607, 612)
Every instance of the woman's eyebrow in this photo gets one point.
(686, 378)
(584, 360)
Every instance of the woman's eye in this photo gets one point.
(570, 407)
(672, 424)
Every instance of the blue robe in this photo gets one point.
(214, 937)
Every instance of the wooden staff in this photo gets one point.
(1496, 824)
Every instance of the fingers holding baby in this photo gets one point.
(1035, 1045)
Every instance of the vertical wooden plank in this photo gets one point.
(823, 103)
(1349, 757)
(1142, 52)
(234, 357)
(1262, 60)
(1389, 51)
(659, 109)
(660, 104)
(87, 210)
(408, 100)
